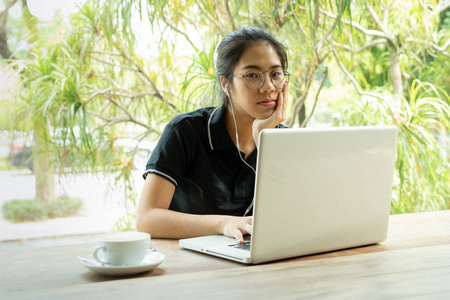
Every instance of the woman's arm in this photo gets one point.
(153, 216)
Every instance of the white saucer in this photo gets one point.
(152, 260)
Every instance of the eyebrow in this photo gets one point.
(257, 67)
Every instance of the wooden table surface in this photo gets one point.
(414, 262)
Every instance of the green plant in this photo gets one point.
(422, 163)
(125, 223)
(31, 210)
(63, 207)
(3, 163)
(23, 210)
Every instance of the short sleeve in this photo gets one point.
(170, 157)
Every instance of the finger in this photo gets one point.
(247, 228)
(238, 236)
(280, 104)
(286, 92)
(285, 104)
(285, 89)
(281, 107)
(283, 101)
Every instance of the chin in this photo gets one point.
(264, 115)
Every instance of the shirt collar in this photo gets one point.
(219, 138)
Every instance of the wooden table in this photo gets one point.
(414, 262)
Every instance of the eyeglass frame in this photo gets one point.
(285, 73)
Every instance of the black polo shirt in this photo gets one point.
(196, 154)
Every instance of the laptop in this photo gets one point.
(316, 190)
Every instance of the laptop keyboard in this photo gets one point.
(244, 246)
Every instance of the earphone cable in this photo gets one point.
(239, 151)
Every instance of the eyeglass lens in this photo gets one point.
(255, 79)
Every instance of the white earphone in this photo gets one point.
(237, 144)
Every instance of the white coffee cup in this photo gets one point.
(122, 248)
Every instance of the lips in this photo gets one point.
(268, 103)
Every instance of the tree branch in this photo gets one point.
(113, 64)
(316, 59)
(179, 31)
(301, 100)
(140, 71)
(4, 50)
(295, 109)
(109, 121)
(446, 44)
(110, 80)
(214, 21)
(229, 15)
(442, 49)
(318, 45)
(280, 17)
(119, 119)
(366, 46)
(375, 18)
(96, 93)
(108, 96)
(316, 99)
(352, 23)
(107, 93)
(105, 53)
(393, 110)
(327, 34)
(126, 94)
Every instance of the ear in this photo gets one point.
(224, 84)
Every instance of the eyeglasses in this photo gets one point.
(254, 80)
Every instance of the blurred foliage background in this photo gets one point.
(119, 70)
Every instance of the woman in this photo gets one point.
(200, 178)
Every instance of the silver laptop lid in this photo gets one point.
(319, 190)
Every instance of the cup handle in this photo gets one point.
(94, 254)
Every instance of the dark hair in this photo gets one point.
(235, 43)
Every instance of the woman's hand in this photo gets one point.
(237, 227)
(278, 116)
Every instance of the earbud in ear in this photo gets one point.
(226, 90)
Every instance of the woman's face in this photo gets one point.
(260, 103)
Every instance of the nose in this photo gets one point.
(267, 86)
